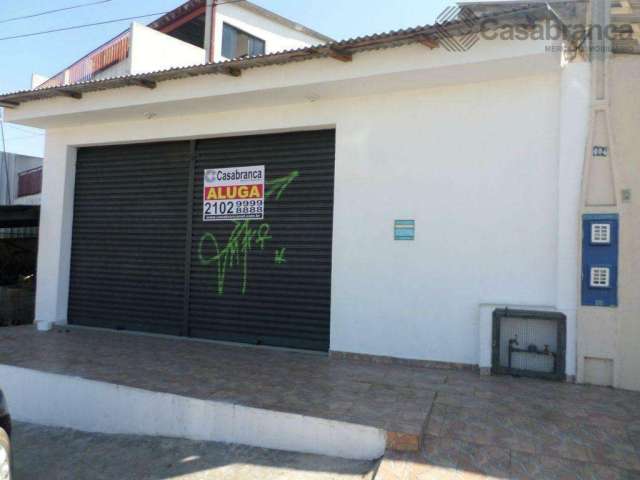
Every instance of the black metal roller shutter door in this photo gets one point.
(270, 283)
(129, 234)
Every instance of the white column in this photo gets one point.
(54, 244)
(574, 132)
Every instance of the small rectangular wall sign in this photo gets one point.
(404, 230)
(600, 151)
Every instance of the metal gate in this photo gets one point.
(127, 261)
(140, 262)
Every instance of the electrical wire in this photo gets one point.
(74, 27)
(86, 25)
(47, 12)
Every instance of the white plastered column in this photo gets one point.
(54, 244)
(575, 94)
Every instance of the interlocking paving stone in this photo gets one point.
(391, 397)
(467, 439)
(46, 453)
(513, 428)
(474, 426)
(525, 467)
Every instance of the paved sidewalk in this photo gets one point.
(472, 426)
(394, 398)
(516, 428)
(45, 453)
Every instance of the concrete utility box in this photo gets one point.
(529, 343)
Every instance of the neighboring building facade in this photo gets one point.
(20, 187)
(197, 32)
(24, 174)
(402, 193)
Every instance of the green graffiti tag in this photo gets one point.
(280, 260)
(242, 240)
(279, 185)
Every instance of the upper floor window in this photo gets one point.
(30, 182)
(236, 43)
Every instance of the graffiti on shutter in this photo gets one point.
(243, 240)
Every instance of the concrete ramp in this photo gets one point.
(96, 406)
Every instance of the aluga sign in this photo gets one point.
(233, 194)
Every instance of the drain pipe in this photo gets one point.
(210, 30)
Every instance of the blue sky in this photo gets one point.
(48, 54)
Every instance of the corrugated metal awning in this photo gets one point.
(343, 51)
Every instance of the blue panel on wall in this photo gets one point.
(600, 260)
(404, 230)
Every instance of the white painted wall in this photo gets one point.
(277, 37)
(480, 180)
(575, 103)
(479, 164)
(56, 214)
(37, 79)
(478, 175)
(152, 50)
(120, 69)
(28, 200)
(87, 405)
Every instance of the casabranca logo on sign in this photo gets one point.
(235, 193)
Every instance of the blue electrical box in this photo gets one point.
(600, 260)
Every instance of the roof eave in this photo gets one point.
(343, 50)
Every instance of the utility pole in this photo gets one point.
(5, 163)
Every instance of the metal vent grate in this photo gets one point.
(601, 233)
(600, 277)
(404, 230)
